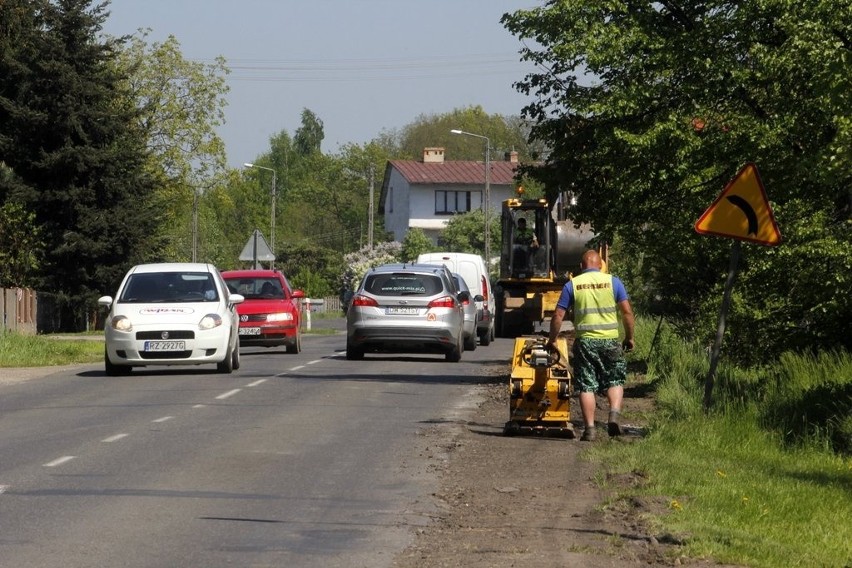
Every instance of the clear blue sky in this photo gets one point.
(362, 66)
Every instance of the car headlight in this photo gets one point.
(210, 321)
(121, 323)
(284, 316)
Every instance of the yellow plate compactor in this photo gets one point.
(540, 389)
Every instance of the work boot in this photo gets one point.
(588, 434)
(612, 425)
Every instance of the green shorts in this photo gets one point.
(598, 364)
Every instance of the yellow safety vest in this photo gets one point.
(595, 310)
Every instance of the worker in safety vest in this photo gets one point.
(598, 357)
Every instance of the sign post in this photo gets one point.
(257, 249)
(741, 212)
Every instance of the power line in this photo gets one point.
(371, 69)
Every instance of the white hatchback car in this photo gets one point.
(171, 314)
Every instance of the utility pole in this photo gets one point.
(486, 197)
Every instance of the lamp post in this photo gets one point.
(274, 195)
(370, 212)
(194, 225)
(486, 198)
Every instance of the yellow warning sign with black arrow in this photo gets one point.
(742, 211)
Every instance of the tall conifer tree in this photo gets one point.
(68, 135)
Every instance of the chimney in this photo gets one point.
(433, 155)
(511, 157)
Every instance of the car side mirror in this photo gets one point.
(464, 296)
(479, 298)
(298, 294)
(105, 301)
(236, 299)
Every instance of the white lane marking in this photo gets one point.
(199, 406)
(297, 368)
(254, 384)
(59, 461)
(314, 361)
(115, 438)
(3, 488)
(227, 394)
(163, 419)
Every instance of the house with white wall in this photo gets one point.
(426, 193)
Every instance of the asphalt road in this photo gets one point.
(293, 460)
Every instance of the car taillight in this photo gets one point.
(484, 288)
(364, 301)
(445, 302)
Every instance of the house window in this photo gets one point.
(448, 202)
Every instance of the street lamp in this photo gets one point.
(487, 196)
(274, 195)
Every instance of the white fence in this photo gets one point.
(322, 305)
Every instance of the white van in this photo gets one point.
(471, 267)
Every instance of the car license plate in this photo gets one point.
(402, 311)
(165, 346)
(249, 331)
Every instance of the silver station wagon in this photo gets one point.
(406, 308)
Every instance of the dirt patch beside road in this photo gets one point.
(533, 501)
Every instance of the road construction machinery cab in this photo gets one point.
(535, 262)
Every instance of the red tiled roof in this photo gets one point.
(454, 172)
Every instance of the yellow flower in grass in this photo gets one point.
(745, 499)
(720, 473)
(675, 505)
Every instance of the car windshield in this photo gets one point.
(256, 288)
(170, 287)
(403, 285)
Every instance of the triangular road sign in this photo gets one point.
(742, 211)
(257, 248)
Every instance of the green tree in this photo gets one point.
(309, 135)
(414, 244)
(312, 268)
(649, 109)
(20, 246)
(466, 233)
(181, 104)
(505, 134)
(363, 167)
(76, 152)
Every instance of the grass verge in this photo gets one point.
(737, 490)
(17, 350)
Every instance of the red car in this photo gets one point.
(270, 314)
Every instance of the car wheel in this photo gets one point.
(227, 364)
(454, 355)
(485, 338)
(470, 342)
(297, 344)
(115, 370)
(354, 353)
(236, 356)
